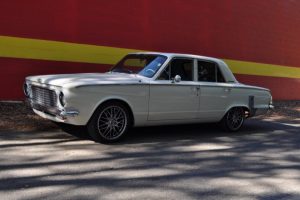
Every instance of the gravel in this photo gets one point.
(16, 116)
(284, 111)
(19, 117)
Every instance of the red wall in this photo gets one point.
(249, 30)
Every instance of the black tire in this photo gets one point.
(233, 119)
(110, 122)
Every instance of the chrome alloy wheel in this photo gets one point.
(235, 118)
(112, 122)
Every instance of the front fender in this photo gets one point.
(88, 99)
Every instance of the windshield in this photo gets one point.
(142, 64)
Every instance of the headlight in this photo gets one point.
(26, 89)
(61, 99)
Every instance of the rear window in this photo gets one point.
(209, 72)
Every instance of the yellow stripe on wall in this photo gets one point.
(261, 69)
(15, 47)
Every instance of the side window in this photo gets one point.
(206, 71)
(178, 66)
(183, 68)
(209, 72)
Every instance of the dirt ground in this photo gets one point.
(285, 112)
(19, 117)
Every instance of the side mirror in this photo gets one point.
(176, 79)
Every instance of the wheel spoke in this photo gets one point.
(105, 114)
(103, 125)
(106, 131)
(103, 120)
(118, 114)
(112, 112)
(115, 132)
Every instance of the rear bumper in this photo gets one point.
(263, 111)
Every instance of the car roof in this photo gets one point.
(182, 55)
(227, 73)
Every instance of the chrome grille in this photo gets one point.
(44, 96)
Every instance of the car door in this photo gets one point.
(214, 91)
(172, 100)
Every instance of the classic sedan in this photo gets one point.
(145, 89)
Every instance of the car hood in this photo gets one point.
(74, 80)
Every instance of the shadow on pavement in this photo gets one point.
(176, 162)
(201, 131)
(160, 133)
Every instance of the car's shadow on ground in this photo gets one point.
(201, 131)
(162, 133)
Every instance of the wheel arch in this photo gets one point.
(245, 108)
(115, 99)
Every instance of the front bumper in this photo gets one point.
(54, 113)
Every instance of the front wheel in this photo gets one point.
(109, 123)
(233, 119)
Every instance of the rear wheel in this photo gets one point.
(110, 122)
(233, 119)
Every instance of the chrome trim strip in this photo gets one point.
(112, 84)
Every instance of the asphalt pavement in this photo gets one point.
(262, 161)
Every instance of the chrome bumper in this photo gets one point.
(263, 111)
(69, 113)
(61, 114)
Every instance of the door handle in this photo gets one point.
(195, 90)
(198, 89)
